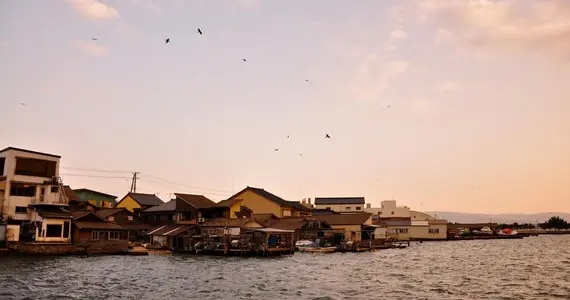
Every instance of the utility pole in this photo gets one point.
(134, 182)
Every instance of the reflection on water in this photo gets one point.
(532, 268)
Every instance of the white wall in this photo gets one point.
(43, 231)
(389, 209)
(10, 202)
(341, 207)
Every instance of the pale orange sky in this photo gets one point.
(479, 95)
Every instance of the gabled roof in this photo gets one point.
(168, 206)
(78, 215)
(107, 212)
(143, 199)
(345, 219)
(339, 200)
(198, 201)
(94, 192)
(272, 197)
(28, 151)
(228, 202)
(71, 195)
(263, 217)
(97, 225)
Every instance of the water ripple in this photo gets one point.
(532, 268)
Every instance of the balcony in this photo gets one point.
(42, 199)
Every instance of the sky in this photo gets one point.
(460, 105)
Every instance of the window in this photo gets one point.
(35, 167)
(54, 189)
(347, 208)
(2, 163)
(328, 208)
(114, 235)
(403, 230)
(379, 213)
(94, 235)
(434, 230)
(392, 213)
(130, 218)
(111, 219)
(54, 230)
(22, 190)
(66, 230)
(358, 208)
(286, 213)
(21, 210)
(187, 215)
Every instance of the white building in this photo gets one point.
(340, 204)
(32, 195)
(405, 223)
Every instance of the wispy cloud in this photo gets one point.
(90, 48)
(512, 25)
(423, 105)
(94, 9)
(399, 34)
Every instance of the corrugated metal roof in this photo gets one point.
(168, 206)
(146, 199)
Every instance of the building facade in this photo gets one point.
(136, 202)
(261, 201)
(32, 194)
(340, 204)
(96, 198)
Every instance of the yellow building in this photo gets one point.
(135, 202)
(354, 225)
(261, 201)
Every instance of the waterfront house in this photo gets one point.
(133, 224)
(306, 228)
(96, 198)
(75, 203)
(136, 202)
(340, 204)
(172, 236)
(264, 217)
(30, 188)
(261, 201)
(223, 226)
(183, 209)
(356, 226)
(93, 235)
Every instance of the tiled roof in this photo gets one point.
(94, 192)
(227, 203)
(146, 199)
(106, 212)
(198, 201)
(97, 225)
(71, 195)
(339, 200)
(267, 195)
(286, 223)
(55, 215)
(168, 206)
(263, 217)
(345, 219)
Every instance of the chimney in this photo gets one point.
(368, 205)
(309, 200)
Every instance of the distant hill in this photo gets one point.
(498, 218)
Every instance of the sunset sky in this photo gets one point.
(478, 95)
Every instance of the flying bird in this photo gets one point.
(307, 80)
(94, 39)
(388, 106)
(166, 41)
(300, 154)
(276, 149)
(327, 136)
(199, 31)
(244, 59)
(23, 104)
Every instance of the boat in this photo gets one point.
(507, 231)
(317, 249)
(304, 243)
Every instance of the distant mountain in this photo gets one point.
(497, 218)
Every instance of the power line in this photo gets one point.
(94, 170)
(185, 185)
(178, 186)
(95, 176)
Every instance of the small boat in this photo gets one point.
(317, 249)
(304, 243)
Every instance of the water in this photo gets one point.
(532, 268)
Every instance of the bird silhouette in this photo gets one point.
(23, 104)
(300, 154)
(199, 31)
(244, 59)
(307, 80)
(94, 39)
(166, 41)
(276, 149)
(327, 136)
(388, 106)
